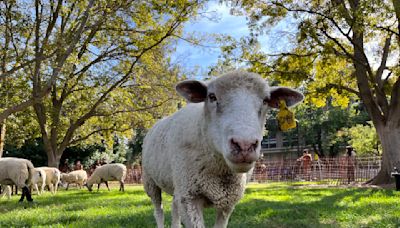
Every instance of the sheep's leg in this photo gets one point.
(121, 186)
(107, 185)
(176, 220)
(55, 188)
(192, 212)
(222, 217)
(51, 188)
(37, 189)
(3, 193)
(154, 192)
(98, 186)
(42, 188)
(67, 187)
(22, 195)
(26, 192)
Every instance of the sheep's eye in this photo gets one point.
(265, 101)
(212, 97)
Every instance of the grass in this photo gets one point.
(264, 205)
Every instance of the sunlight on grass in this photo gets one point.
(264, 205)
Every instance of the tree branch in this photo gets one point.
(337, 86)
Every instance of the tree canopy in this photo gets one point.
(342, 49)
(89, 67)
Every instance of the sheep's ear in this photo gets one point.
(290, 96)
(192, 90)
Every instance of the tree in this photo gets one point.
(341, 47)
(363, 139)
(95, 64)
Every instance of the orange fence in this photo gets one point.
(340, 170)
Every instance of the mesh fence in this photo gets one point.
(340, 170)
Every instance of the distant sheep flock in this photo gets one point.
(200, 155)
(22, 174)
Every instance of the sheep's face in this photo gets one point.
(89, 187)
(235, 108)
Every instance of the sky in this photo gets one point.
(191, 56)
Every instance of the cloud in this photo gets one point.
(222, 22)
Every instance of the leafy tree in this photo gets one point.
(135, 146)
(344, 49)
(31, 149)
(363, 139)
(99, 62)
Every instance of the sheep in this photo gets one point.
(19, 172)
(201, 153)
(107, 172)
(52, 178)
(78, 177)
(7, 192)
(38, 179)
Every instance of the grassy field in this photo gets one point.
(264, 205)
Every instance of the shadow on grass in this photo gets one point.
(332, 210)
(261, 207)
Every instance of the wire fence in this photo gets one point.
(339, 170)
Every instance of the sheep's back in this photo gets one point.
(52, 175)
(110, 172)
(15, 171)
(75, 176)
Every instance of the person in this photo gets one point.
(64, 167)
(351, 163)
(94, 166)
(305, 165)
(78, 165)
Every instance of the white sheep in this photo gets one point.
(19, 172)
(78, 177)
(107, 172)
(201, 153)
(52, 178)
(6, 191)
(38, 179)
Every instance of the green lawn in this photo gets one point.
(264, 205)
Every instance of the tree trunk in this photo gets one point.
(389, 136)
(53, 160)
(2, 137)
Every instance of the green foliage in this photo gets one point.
(321, 127)
(105, 66)
(32, 150)
(82, 153)
(135, 146)
(263, 205)
(117, 153)
(363, 138)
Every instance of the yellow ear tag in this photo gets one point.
(285, 117)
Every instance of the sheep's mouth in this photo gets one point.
(240, 167)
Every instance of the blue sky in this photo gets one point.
(191, 56)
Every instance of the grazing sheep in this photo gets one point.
(19, 172)
(52, 178)
(38, 179)
(107, 172)
(201, 154)
(6, 192)
(78, 177)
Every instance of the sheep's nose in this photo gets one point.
(243, 145)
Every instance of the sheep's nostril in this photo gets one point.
(255, 145)
(235, 145)
(243, 145)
